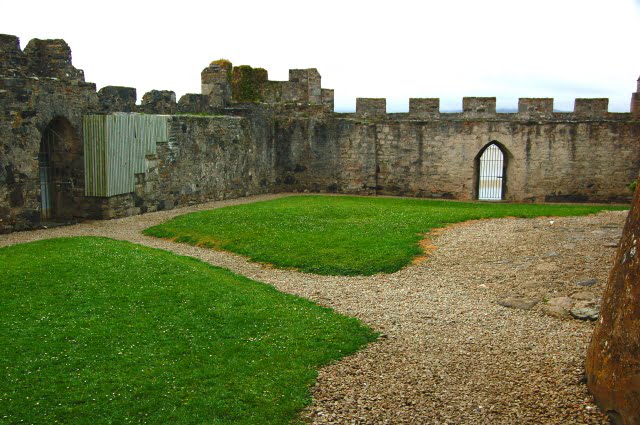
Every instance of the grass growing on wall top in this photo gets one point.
(339, 235)
(101, 331)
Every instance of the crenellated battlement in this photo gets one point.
(371, 107)
(478, 106)
(224, 85)
(244, 134)
(535, 107)
(424, 107)
(474, 108)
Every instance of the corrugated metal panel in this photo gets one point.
(94, 155)
(115, 149)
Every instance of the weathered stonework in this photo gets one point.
(159, 102)
(371, 107)
(117, 99)
(245, 134)
(206, 158)
(566, 159)
(424, 107)
(635, 103)
(216, 83)
(194, 104)
(479, 106)
(35, 96)
(535, 108)
(613, 359)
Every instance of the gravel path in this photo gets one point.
(449, 353)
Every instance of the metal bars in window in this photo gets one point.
(491, 174)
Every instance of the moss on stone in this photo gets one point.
(247, 83)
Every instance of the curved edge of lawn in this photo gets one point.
(339, 235)
(112, 332)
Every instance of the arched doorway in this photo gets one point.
(491, 166)
(60, 171)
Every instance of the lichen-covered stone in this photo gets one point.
(613, 358)
(117, 99)
(247, 83)
(159, 102)
(194, 104)
(51, 58)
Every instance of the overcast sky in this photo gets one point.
(395, 49)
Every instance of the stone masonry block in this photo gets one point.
(367, 106)
(535, 106)
(591, 107)
(117, 99)
(479, 105)
(424, 106)
(159, 102)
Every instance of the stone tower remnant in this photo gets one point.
(635, 102)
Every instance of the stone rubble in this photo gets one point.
(448, 352)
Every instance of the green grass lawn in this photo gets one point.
(97, 331)
(335, 235)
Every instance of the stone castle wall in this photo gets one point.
(37, 87)
(244, 134)
(204, 159)
(566, 158)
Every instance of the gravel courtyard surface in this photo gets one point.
(449, 353)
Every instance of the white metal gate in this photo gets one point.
(491, 174)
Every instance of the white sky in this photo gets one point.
(395, 49)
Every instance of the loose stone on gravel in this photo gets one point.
(556, 311)
(583, 296)
(518, 303)
(585, 313)
(564, 302)
(587, 282)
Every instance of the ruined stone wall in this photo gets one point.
(568, 157)
(205, 158)
(245, 135)
(39, 87)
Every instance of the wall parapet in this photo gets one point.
(370, 107)
(535, 107)
(478, 106)
(424, 107)
(597, 107)
(159, 102)
(117, 99)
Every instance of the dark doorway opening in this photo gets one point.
(60, 172)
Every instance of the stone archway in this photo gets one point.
(61, 177)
